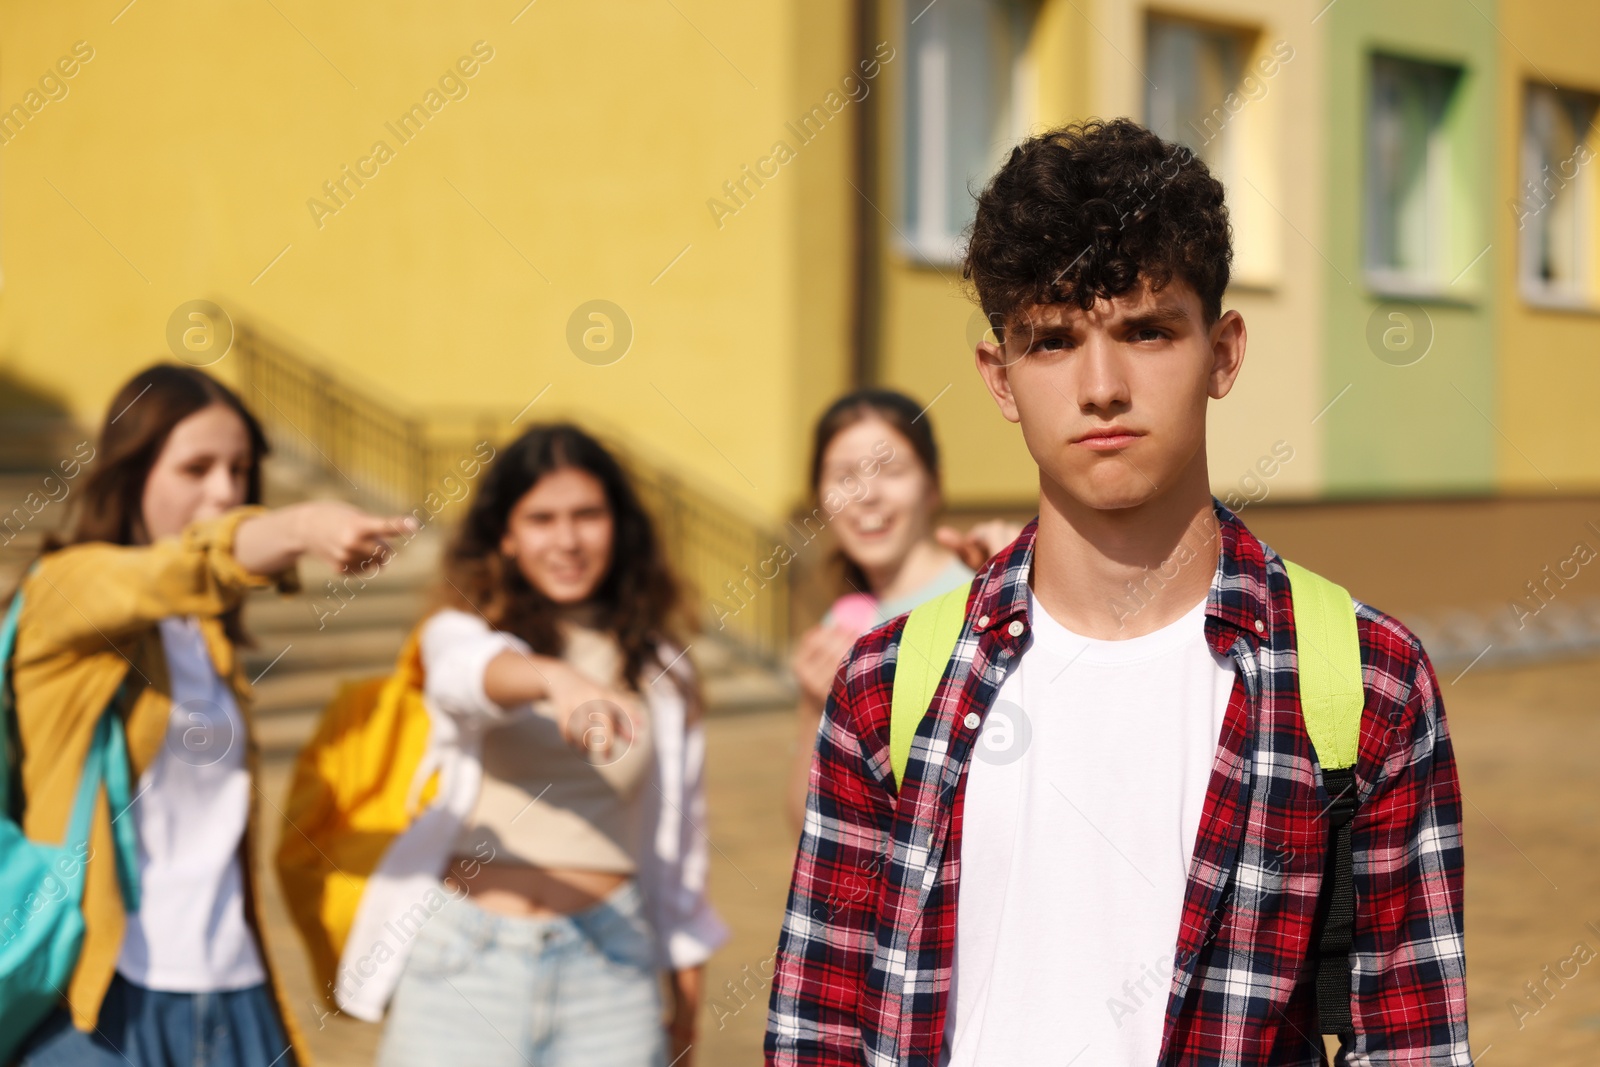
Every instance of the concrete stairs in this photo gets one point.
(22, 531)
(308, 644)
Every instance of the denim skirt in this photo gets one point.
(156, 1028)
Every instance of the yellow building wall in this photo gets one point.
(823, 223)
(578, 162)
(1088, 56)
(1548, 379)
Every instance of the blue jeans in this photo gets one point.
(491, 990)
(155, 1028)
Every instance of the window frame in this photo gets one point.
(1248, 160)
(920, 235)
(1583, 294)
(1443, 194)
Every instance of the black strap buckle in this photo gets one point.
(1342, 800)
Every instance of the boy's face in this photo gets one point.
(1112, 401)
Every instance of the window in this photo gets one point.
(1408, 182)
(969, 92)
(1554, 206)
(1193, 69)
(1214, 89)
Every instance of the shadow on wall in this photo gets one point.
(36, 425)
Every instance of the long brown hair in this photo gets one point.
(140, 418)
(903, 416)
(638, 600)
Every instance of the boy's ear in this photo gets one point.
(995, 368)
(1227, 353)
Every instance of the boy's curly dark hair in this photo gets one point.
(1084, 211)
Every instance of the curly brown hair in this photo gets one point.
(1086, 211)
(638, 601)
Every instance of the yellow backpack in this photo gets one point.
(354, 791)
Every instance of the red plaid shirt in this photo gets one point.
(864, 959)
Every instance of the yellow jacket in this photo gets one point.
(88, 619)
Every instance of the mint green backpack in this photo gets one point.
(1331, 701)
(41, 886)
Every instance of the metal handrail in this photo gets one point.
(385, 457)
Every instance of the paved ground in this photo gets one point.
(1526, 739)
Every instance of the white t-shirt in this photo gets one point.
(1082, 805)
(190, 810)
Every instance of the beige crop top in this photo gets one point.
(542, 802)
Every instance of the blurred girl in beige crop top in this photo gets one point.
(556, 643)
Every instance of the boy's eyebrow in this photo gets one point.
(1034, 332)
(1156, 316)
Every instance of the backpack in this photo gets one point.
(1331, 700)
(41, 885)
(358, 785)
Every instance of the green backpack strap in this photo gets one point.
(1331, 697)
(1331, 701)
(926, 643)
(107, 762)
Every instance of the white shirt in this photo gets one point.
(1082, 805)
(190, 810)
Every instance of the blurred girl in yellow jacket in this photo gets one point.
(142, 602)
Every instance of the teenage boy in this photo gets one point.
(1110, 841)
